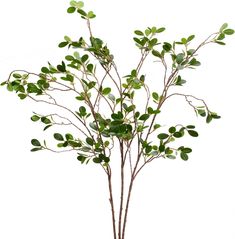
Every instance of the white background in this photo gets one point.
(44, 195)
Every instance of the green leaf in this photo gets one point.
(155, 96)
(90, 141)
(58, 137)
(82, 110)
(186, 150)
(224, 26)
(220, 43)
(180, 58)
(194, 62)
(69, 137)
(84, 58)
(193, 133)
(45, 70)
(90, 68)
(97, 160)
(208, 118)
(156, 53)
(35, 142)
(45, 120)
(163, 136)
(35, 149)
(93, 125)
(10, 87)
(104, 158)
(16, 75)
(156, 126)
(178, 134)
(167, 46)
(162, 148)
(159, 30)
(106, 91)
(83, 13)
(228, 31)
(47, 127)
(144, 117)
(63, 44)
(71, 10)
(171, 156)
(81, 158)
(139, 33)
(74, 144)
(190, 38)
(69, 58)
(184, 156)
(91, 15)
(190, 127)
(22, 96)
(172, 130)
(221, 36)
(35, 118)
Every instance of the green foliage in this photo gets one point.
(123, 119)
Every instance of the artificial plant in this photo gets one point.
(107, 115)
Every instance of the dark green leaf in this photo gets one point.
(172, 130)
(83, 13)
(186, 150)
(177, 134)
(45, 120)
(63, 44)
(208, 118)
(90, 141)
(90, 68)
(167, 46)
(97, 160)
(47, 127)
(193, 133)
(84, 58)
(35, 149)
(16, 75)
(139, 33)
(190, 126)
(144, 117)
(163, 136)
(35, 142)
(184, 156)
(82, 110)
(220, 43)
(162, 148)
(81, 158)
(69, 136)
(58, 137)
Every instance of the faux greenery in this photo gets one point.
(107, 115)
